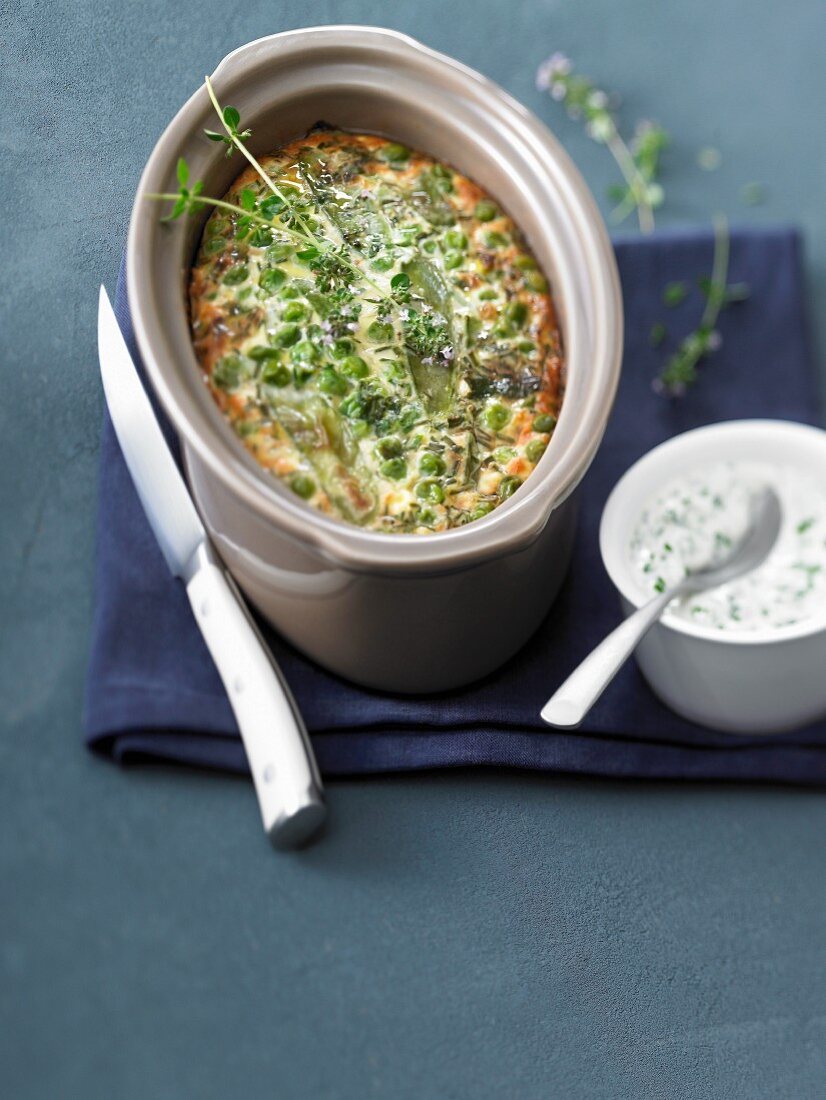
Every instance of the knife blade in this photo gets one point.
(278, 749)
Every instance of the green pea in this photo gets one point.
(390, 447)
(408, 235)
(305, 352)
(503, 455)
(261, 352)
(278, 253)
(525, 263)
(395, 468)
(544, 423)
(353, 407)
(486, 210)
(495, 239)
(382, 263)
(535, 450)
(453, 259)
(455, 238)
(395, 152)
(217, 244)
(430, 490)
(236, 275)
(286, 336)
(330, 381)
(487, 295)
(536, 281)
(227, 372)
(302, 486)
(381, 332)
(483, 508)
(343, 346)
(354, 367)
(296, 311)
(302, 372)
(517, 313)
(508, 486)
(430, 463)
(396, 372)
(430, 246)
(276, 374)
(496, 417)
(290, 292)
(260, 237)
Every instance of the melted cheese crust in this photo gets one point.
(414, 398)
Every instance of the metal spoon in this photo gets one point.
(570, 703)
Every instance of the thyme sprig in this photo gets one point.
(680, 370)
(231, 120)
(323, 255)
(638, 159)
(190, 201)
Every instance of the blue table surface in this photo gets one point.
(456, 934)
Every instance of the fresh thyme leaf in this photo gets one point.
(675, 294)
(738, 292)
(709, 158)
(753, 193)
(657, 335)
(232, 117)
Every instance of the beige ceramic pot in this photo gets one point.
(409, 613)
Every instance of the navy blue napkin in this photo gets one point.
(153, 693)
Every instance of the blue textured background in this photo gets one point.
(455, 935)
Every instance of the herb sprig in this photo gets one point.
(322, 254)
(231, 120)
(638, 159)
(680, 370)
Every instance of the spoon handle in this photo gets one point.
(569, 704)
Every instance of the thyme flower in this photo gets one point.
(638, 160)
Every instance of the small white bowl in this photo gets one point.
(765, 681)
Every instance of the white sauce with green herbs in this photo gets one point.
(696, 519)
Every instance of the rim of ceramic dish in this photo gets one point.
(590, 385)
(626, 499)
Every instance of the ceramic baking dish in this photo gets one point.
(411, 613)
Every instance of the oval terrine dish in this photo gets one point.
(388, 335)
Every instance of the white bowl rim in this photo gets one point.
(621, 497)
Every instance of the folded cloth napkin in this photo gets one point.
(153, 692)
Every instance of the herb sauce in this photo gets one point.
(696, 519)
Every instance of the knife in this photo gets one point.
(280, 757)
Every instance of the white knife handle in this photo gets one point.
(278, 749)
